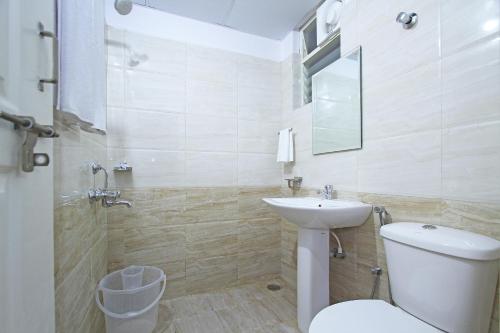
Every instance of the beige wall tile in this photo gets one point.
(206, 64)
(134, 129)
(74, 297)
(258, 170)
(150, 75)
(258, 234)
(205, 240)
(258, 103)
(254, 72)
(147, 53)
(158, 244)
(212, 204)
(211, 169)
(481, 218)
(250, 204)
(471, 81)
(252, 265)
(379, 34)
(404, 165)
(419, 92)
(209, 133)
(471, 155)
(71, 238)
(154, 91)
(207, 98)
(148, 167)
(409, 209)
(212, 273)
(465, 22)
(256, 136)
(99, 259)
(94, 321)
(181, 230)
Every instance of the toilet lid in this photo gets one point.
(372, 316)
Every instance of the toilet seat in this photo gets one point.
(374, 316)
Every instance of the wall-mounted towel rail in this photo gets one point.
(291, 129)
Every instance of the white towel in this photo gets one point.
(82, 62)
(285, 146)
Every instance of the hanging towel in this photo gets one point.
(285, 145)
(82, 63)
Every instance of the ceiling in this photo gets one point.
(268, 18)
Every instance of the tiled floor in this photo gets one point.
(246, 309)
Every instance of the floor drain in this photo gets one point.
(273, 287)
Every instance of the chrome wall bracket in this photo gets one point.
(33, 131)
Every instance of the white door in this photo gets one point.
(26, 199)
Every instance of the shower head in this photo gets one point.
(123, 7)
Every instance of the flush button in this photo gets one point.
(429, 227)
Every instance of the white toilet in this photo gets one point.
(441, 279)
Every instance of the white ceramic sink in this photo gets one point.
(317, 213)
(315, 217)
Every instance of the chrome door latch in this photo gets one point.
(33, 131)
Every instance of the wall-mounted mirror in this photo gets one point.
(337, 105)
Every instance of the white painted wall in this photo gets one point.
(160, 24)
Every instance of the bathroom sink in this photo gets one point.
(317, 213)
(315, 217)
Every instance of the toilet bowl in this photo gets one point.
(372, 316)
(441, 279)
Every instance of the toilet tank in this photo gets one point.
(443, 276)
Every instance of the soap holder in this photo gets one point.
(123, 167)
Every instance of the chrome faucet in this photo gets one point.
(107, 197)
(327, 192)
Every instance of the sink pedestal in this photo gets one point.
(313, 271)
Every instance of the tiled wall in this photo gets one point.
(203, 238)
(199, 127)
(185, 115)
(431, 129)
(431, 121)
(80, 231)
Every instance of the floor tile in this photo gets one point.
(250, 308)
